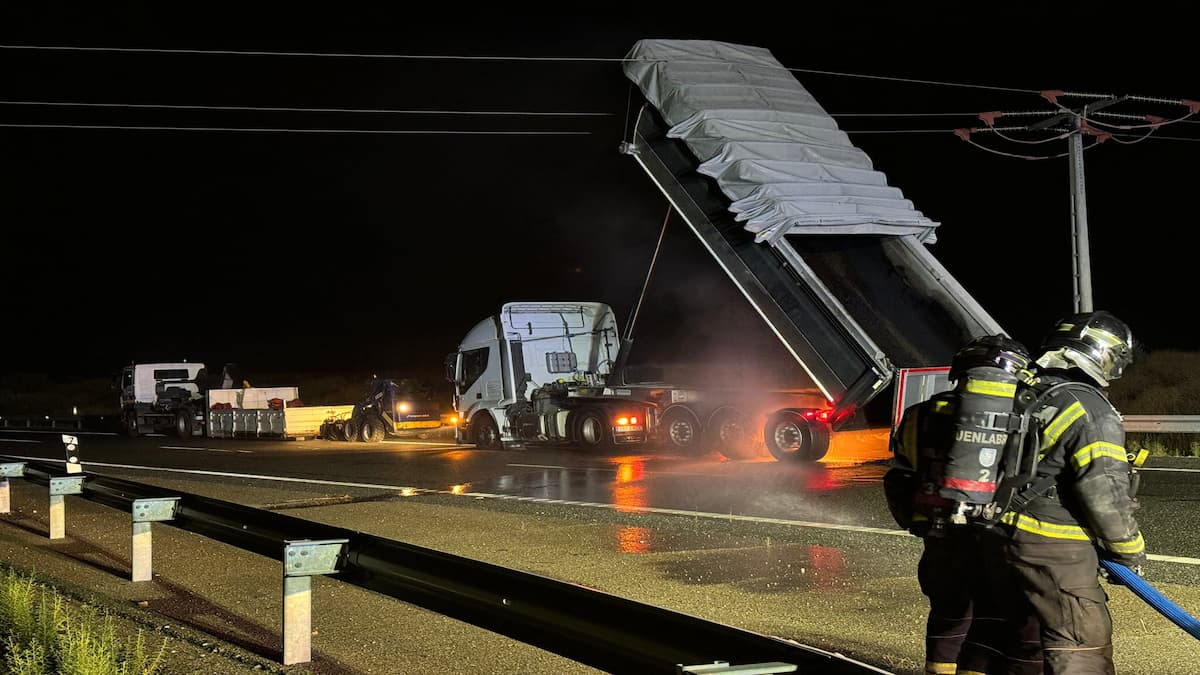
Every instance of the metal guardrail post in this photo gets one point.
(301, 561)
(59, 487)
(9, 470)
(145, 512)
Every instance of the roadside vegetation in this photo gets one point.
(1161, 383)
(42, 633)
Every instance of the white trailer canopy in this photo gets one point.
(773, 150)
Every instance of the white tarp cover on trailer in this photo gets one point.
(774, 151)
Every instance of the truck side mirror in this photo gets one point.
(450, 363)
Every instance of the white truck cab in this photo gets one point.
(537, 372)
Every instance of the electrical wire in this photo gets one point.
(929, 131)
(337, 55)
(250, 108)
(398, 132)
(461, 57)
(1116, 138)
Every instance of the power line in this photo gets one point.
(387, 111)
(930, 131)
(405, 132)
(338, 55)
(464, 57)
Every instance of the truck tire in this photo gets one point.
(681, 430)
(590, 429)
(791, 436)
(728, 433)
(485, 433)
(131, 425)
(183, 424)
(349, 431)
(371, 431)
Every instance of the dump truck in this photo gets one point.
(833, 259)
(546, 372)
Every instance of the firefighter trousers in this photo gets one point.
(945, 574)
(1053, 584)
(1003, 640)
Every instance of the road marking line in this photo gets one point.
(539, 466)
(73, 432)
(17, 440)
(448, 445)
(190, 447)
(613, 469)
(613, 507)
(230, 474)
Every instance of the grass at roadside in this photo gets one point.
(43, 632)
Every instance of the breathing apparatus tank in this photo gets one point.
(986, 373)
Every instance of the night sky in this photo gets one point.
(336, 252)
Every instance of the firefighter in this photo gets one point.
(950, 572)
(1077, 508)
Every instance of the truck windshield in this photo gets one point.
(171, 374)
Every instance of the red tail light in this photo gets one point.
(823, 415)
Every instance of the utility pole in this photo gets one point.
(1073, 124)
(1080, 250)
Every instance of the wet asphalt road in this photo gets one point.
(842, 491)
(806, 552)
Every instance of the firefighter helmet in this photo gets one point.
(995, 351)
(1098, 343)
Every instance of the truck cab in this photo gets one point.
(537, 373)
(158, 397)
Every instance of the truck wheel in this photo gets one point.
(183, 424)
(681, 429)
(729, 434)
(131, 425)
(371, 431)
(487, 436)
(349, 431)
(791, 436)
(589, 428)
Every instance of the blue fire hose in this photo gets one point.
(1157, 600)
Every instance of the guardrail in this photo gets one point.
(604, 631)
(73, 422)
(1163, 424)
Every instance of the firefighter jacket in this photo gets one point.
(911, 498)
(1083, 447)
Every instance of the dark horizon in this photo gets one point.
(336, 253)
